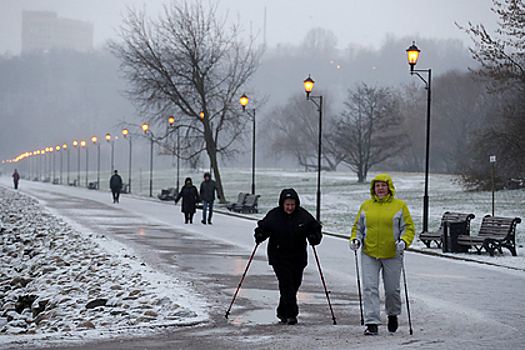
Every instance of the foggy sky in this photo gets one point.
(364, 23)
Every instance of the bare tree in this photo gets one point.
(502, 56)
(188, 64)
(295, 131)
(369, 130)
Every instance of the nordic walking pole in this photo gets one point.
(324, 284)
(359, 288)
(406, 294)
(242, 279)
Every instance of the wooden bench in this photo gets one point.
(495, 233)
(249, 205)
(435, 236)
(241, 199)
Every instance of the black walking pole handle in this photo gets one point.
(242, 279)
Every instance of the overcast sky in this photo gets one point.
(287, 21)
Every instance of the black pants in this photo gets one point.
(188, 217)
(290, 279)
(116, 195)
(16, 185)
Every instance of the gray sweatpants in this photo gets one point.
(391, 272)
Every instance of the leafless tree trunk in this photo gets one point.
(296, 133)
(369, 130)
(189, 65)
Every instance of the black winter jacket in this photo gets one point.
(115, 183)
(190, 197)
(288, 233)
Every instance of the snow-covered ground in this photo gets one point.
(66, 268)
(52, 278)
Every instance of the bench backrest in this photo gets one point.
(251, 200)
(498, 226)
(452, 216)
(241, 198)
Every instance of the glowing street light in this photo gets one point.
(413, 55)
(308, 88)
(125, 132)
(244, 102)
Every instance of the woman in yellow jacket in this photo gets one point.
(384, 228)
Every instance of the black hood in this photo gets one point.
(288, 193)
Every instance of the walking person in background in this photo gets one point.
(190, 198)
(115, 183)
(288, 226)
(16, 178)
(384, 228)
(207, 193)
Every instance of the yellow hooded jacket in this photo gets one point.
(381, 222)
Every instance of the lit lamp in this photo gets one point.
(108, 139)
(244, 102)
(413, 55)
(125, 132)
(145, 127)
(64, 146)
(58, 148)
(308, 87)
(83, 144)
(171, 121)
(75, 143)
(94, 140)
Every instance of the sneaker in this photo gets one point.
(203, 222)
(392, 324)
(371, 329)
(291, 320)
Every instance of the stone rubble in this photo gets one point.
(56, 280)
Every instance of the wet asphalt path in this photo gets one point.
(454, 304)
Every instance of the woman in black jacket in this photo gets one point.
(288, 226)
(190, 198)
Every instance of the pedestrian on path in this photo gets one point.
(288, 226)
(16, 178)
(207, 194)
(115, 183)
(384, 228)
(190, 198)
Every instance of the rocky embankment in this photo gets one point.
(54, 280)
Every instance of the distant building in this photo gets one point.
(43, 31)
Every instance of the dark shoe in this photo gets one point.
(209, 222)
(203, 222)
(392, 324)
(371, 329)
(281, 318)
(291, 320)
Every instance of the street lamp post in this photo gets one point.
(108, 138)
(413, 55)
(171, 121)
(145, 127)
(94, 139)
(58, 150)
(83, 144)
(244, 102)
(75, 143)
(308, 87)
(64, 146)
(125, 132)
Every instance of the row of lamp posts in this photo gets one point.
(412, 54)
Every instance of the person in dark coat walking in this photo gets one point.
(207, 192)
(288, 226)
(115, 183)
(190, 198)
(16, 178)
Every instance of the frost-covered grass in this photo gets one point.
(341, 194)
